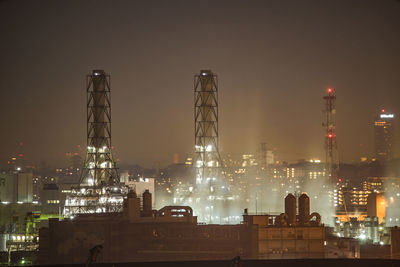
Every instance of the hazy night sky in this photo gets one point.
(274, 60)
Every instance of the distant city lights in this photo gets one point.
(386, 116)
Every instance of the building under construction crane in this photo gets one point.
(99, 189)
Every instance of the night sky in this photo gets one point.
(274, 60)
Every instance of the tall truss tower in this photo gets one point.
(331, 159)
(99, 167)
(99, 189)
(206, 160)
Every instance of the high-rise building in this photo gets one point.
(383, 136)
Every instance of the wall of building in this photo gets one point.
(70, 241)
(16, 187)
(395, 242)
(25, 187)
(8, 187)
(290, 242)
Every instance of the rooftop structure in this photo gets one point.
(139, 233)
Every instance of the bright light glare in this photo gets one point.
(387, 116)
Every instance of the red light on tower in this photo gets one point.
(330, 135)
(329, 90)
(383, 111)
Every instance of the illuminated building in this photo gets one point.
(51, 199)
(249, 160)
(383, 136)
(16, 231)
(289, 235)
(350, 202)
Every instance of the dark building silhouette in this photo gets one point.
(383, 136)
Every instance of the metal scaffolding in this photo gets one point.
(331, 158)
(99, 189)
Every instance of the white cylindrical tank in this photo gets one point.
(3, 242)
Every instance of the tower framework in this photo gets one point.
(331, 159)
(99, 167)
(207, 159)
(207, 162)
(99, 189)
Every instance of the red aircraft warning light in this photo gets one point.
(329, 90)
(331, 135)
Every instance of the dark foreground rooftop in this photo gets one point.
(244, 263)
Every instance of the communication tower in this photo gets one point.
(331, 158)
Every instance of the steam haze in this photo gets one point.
(274, 59)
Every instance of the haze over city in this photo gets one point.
(274, 61)
(191, 133)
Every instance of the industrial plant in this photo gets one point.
(139, 233)
(211, 207)
(99, 188)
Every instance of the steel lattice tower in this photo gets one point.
(207, 160)
(99, 187)
(99, 167)
(330, 135)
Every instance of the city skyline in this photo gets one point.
(273, 61)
